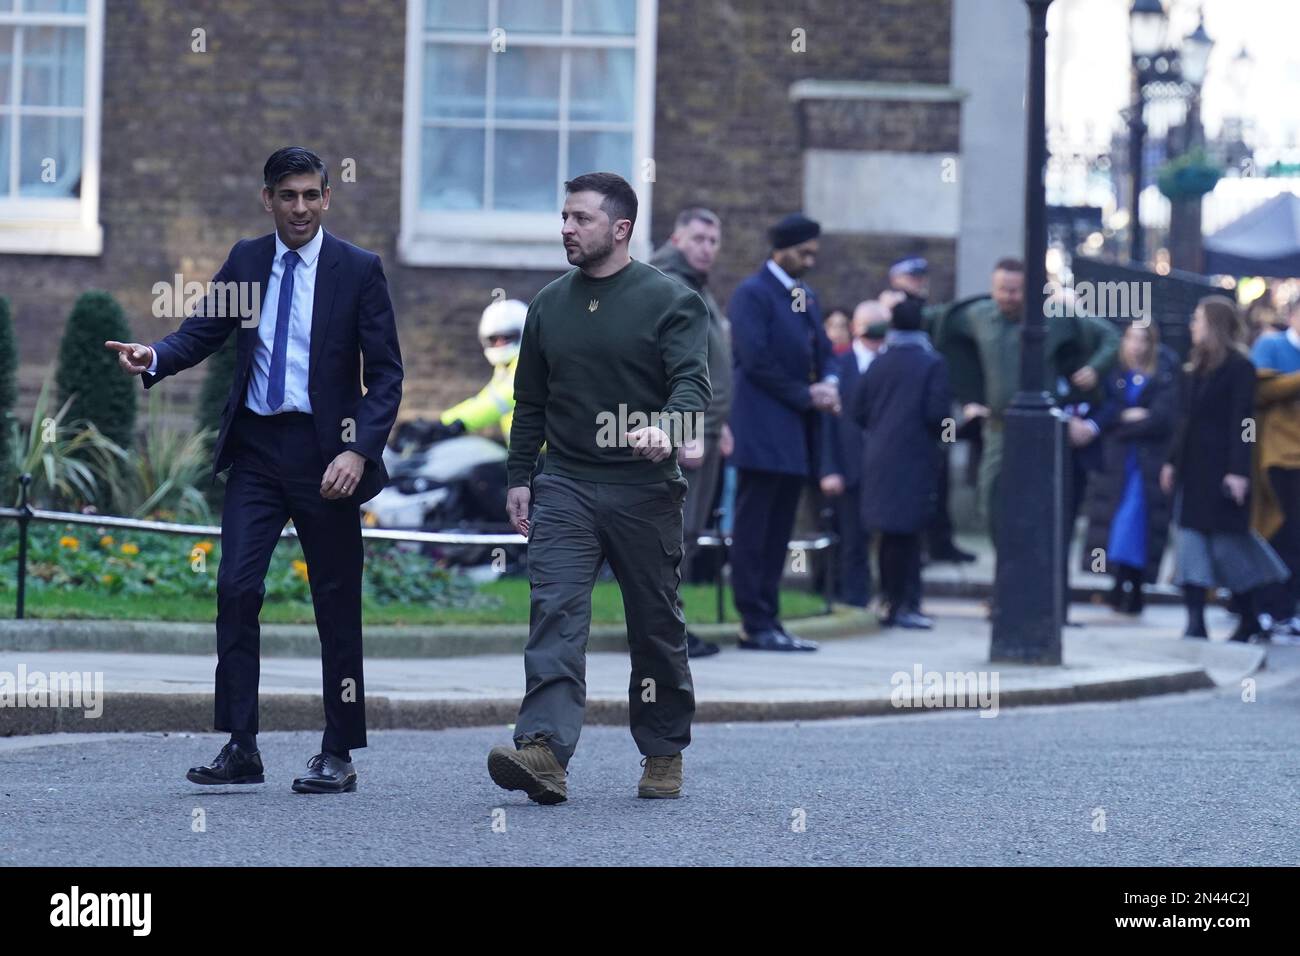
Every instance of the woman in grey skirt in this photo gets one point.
(1208, 473)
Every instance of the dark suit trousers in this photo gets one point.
(276, 476)
(900, 571)
(854, 585)
(765, 508)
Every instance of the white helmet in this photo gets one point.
(503, 317)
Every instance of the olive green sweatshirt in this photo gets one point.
(602, 357)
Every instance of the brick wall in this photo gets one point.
(185, 135)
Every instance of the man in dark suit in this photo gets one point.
(301, 443)
(784, 376)
(841, 455)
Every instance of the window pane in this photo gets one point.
(54, 6)
(600, 152)
(451, 168)
(53, 66)
(6, 66)
(528, 83)
(526, 162)
(456, 15)
(532, 16)
(45, 138)
(6, 128)
(6, 6)
(601, 85)
(604, 16)
(455, 81)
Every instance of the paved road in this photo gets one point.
(1200, 778)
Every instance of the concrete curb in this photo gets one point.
(301, 640)
(131, 712)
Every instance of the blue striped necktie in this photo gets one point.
(279, 358)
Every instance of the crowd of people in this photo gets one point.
(860, 407)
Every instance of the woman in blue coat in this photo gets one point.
(901, 405)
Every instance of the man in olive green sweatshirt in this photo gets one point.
(613, 376)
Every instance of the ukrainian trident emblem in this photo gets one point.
(593, 305)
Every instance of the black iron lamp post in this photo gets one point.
(1180, 71)
(1029, 589)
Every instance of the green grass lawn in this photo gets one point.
(508, 605)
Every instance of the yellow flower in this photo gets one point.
(130, 548)
(204, 546)
(106, 578)
(69, 542)
(300, 569)
(106, 541)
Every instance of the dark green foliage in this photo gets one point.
(89, 374)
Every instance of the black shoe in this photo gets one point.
(768, 640)
(952, 555)
(913, 620)
(1197, 630)
(233, 765)
(698, 648)
(800, 644)
(326, 773)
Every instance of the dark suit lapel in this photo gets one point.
(322, 304)
(262, 257)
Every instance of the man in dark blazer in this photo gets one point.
(841, 455)
(301, 441)
(784, 376)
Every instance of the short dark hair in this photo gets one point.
(693, 213)
(1009, 264)
(290, 160)
(906, 316)
(620, 197)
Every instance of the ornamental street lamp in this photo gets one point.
(1181, 71)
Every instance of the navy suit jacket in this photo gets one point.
(776, 351)
(841, 448)
(352, 318)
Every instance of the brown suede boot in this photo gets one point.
(532, 769)
(662, 777)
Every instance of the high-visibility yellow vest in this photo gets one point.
(493, 405)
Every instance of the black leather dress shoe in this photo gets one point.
(913, 620)
(800, 644)
(233, 765)
(326, 773)
(770, 640)
(698, 648)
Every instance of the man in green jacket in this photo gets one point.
(687, 256)
(981, 340)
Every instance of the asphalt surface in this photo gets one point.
(1200, 778)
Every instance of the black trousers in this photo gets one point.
(766, 502)
(854, 579)
(900, 571)
(1280, 599)
(276, 477)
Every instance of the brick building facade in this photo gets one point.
(760, 107)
